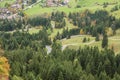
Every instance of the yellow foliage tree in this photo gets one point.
(4, 67)
(81, 31)
(109, 31)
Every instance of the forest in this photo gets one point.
(27, 54)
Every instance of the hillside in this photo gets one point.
(60, 40)
(4, 3)
(97, 2)
(92, 5)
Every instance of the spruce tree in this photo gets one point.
(60, 77)
(84, 39)
(97, 37)
(105, 41)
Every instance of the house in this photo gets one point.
(52, 3)
(19, 1)
(66, 1)
(10, 12)
(4, 12)
(56, 2)
(16, 6)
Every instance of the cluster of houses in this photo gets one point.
(53, 3)
(10, 12)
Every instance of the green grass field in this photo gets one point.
(95, 2)
(76, 42)
(34, 30)
(92, 5)
(37, 10)
(68, 25)
(2, 3)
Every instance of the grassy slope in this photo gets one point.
(86, 4)
(95, 2)
(113, 41)
(2, 3)
(78, 43)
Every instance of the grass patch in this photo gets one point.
(115, 44)
(37, 10)
(2, 3)
(77, 40)
(85, 4)
(34, 30)
(68, 25)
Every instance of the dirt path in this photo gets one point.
(90, 42)
(64, 46)
(114, 39)
(73, 44)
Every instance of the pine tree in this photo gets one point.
(58, 36)
(103, 76)
(90, 77)
(60, 77)
(116, 76)
(16, 78)
(97, 37)
(105, 41)
(84, 40)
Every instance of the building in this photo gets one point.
(56, 2)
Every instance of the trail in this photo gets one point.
(115, 39)
(64, 46)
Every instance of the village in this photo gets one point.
(10, 11)
(53, 3)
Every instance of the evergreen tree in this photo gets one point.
(90, 77)
(16, 78)
(60, 77)
(103, 76)
(84, 39)
(116, 77)
(97, 37)
(105, 41)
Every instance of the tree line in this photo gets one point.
(88, 63)
(93, 23)
(20, 40)
(28, 56)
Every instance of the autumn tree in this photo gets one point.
(4, 68)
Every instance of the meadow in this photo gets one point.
(91, 5)
(4, 2)
(76, 42)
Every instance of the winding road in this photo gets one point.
(89, 43)
(49, 49)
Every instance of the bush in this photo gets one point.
(78, 6)
(115, 8)
(84, 39)
(105, 4)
